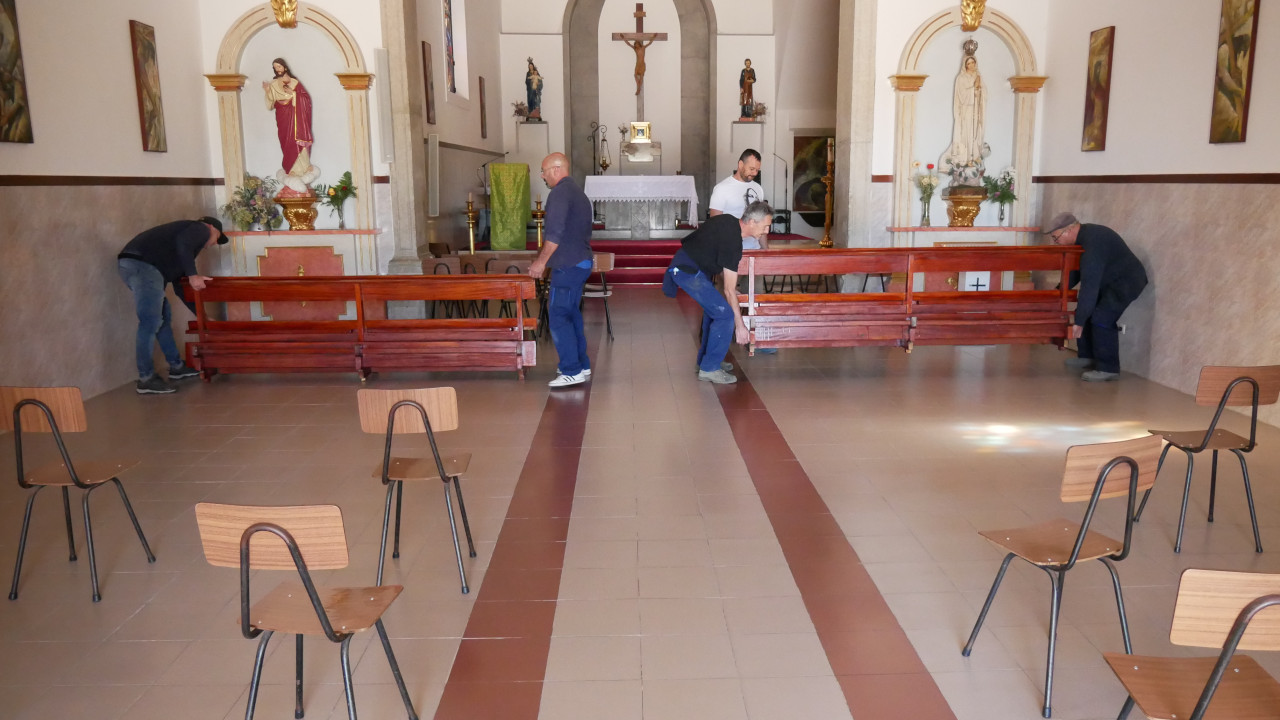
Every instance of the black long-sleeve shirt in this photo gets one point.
(171, 248)
(1110, 275)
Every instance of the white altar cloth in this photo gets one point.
(633, 188)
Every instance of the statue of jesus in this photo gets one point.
(639, 46)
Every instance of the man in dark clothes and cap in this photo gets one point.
(163, 254)
(1110, 278)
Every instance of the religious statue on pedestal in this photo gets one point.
(533, 93)
(292, 104)
(963, 159)
(746, 99)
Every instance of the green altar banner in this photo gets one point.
(509, 212)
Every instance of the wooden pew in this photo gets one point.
(903, 319)
(369, 342)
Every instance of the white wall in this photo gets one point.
(362, 21)
(1161, 91)
(458, 118)
(661, 80)
(83, 98)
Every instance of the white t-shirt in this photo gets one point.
(730, 196)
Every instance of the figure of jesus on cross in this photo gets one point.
(638, 41)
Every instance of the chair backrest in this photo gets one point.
(1214, 380)
(440, 403)
(601, 262)
(317, 529)
(438, 249)
(1085, 462)
(1209, 601)
(65, 403)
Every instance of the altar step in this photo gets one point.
(637, 262)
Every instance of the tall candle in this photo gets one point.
(469, 198)
(831, 150)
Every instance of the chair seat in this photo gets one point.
(287, 608)
(1168, 688)
(1050, 543)
(1189, 439)
(424, 468)
(596, 292)
(93, 472)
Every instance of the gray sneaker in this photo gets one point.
(154, 385)
(1078, 362)
(182, 372)
(725, 366)
(719, 377)
(1099, 376)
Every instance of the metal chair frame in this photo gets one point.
(66, 501)
(397, 486)
(343, 639)
(1213, 472)
(1057, 574)
(602, 293)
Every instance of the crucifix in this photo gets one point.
(638, 41)
(978, 284)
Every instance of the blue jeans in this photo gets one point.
(154, 318)
(717, 316)
(564, 315)
(1100, 340)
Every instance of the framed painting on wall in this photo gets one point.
(1097, 93)
(1233, 73)
(450, 82)
(484, 114)
(429, 82)
(15, 114)
(146, 71)
(810, 197)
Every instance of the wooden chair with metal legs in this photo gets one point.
(1226, 386)
(601, 262)
(303, 539)
(55, 411)
(1093, 473)
(1215, 609)
(425, 410)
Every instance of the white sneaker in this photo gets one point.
(586, 372)
(567, 380)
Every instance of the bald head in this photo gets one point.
(555, 167)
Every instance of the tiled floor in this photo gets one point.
(802, 545)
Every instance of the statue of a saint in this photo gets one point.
(964, 157)
(292, 104)
(746, 79)
(533, 92)
(639, 46)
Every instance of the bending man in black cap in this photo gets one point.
(161, 255)
(1110, 278)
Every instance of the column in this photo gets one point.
(855, 115)
(409, 164)
(1025, 89)
(904, 140)
(228, 87)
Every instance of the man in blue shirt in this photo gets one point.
(566, 251)
(1110, 278)
(163, 254)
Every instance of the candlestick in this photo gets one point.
(829, 180)
(472, 217)
(539, 215)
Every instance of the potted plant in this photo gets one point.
(252, 206)
(926, 182)
(1000, 189)
(336, 195)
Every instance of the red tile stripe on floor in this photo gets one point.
(502, 660)
(878, 669)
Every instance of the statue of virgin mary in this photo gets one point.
(963, 159)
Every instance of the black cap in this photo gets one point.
(222, 239)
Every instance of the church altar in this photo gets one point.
(641, 203)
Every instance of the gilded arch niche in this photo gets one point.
(228, 81)
(908, 81)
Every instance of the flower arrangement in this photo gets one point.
(336, 195)
(520, 110)
(1000, 188)
(253, 202)
(926, 182)
(759, 110)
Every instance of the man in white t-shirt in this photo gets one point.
(733, 194)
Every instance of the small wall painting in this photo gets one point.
(146, 71)
(484, 112)
(15, 113)
(1097, 96)
(810, 160)
(429, 82)
(1233, 73)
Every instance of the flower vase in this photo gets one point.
(256, 227)
(342, 221)
(924, 213)
(1001, 220)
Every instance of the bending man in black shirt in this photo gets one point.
(161, 255)
(714, 249)
(1110, 278)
